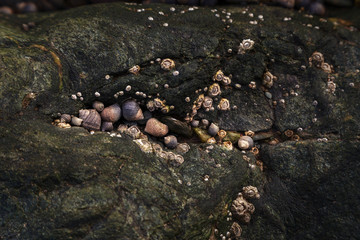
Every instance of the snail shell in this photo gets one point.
(107, 126)
(111, 113)
(76, 121)
(205, 122)
(132, 110)
(98, 106)
(155, 128)
(65, 118)
(245, 142)
(91, 119)
(213, 129)
(170, 141)
(195, 123)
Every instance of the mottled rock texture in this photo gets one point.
(68, 184)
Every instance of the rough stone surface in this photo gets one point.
(68, 184)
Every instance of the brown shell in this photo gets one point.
(98, 106)
(91, 119)
(170, 141)
(156, 128)
(107, 126)
(111, 113)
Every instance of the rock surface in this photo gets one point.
(67, 183)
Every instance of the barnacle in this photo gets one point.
(326, 67)
(224, 104)
(245, 45)
(219, 75)
(289, 133)
(250, 192)
(135, 69)
(226, 80)
(254, 150)
(199, 101)
(331, 86)
(211, 140)
(317, 59)
(207, 103)
(214, 90)
(159, 103)
(236, 230)
(151, 106)
(249, 133)
(221, 134)
(227, 145)
(268, 79)
(167, 64)
(144, 145)
(133, 131)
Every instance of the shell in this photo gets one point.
(76, 121)
(219, 75)
(213, 129)
(91, 119)
(227, 145)
(195, 123)
(242, 209)
(144, 145)
(158, 103)
(236, 230)
(65, 118)
(224, 104)
(151, 106)
(268, 79)
(133, 132)
(250, 192)
(131, 110)
(221, 134)
(135, 69)
(316, 58)
(214, 90)
(155, 128)
(245, 45)
(226, 81)
(122, 128)
(207, 103)
(167, 64)
(245, 142)
(98, 106)
(205, 122)
(111, 113)
(170, 141)
(107, 126)
(326, 67)
(182, 148)
(317, 8)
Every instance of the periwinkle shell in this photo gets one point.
(132, 110)
(91, 119)
(111, 113)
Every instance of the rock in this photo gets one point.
(61, 183)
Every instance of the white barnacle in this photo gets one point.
(245, 45)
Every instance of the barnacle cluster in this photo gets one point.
(241, 209)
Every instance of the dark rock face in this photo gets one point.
(66, 183)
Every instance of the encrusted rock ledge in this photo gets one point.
(290, 78)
